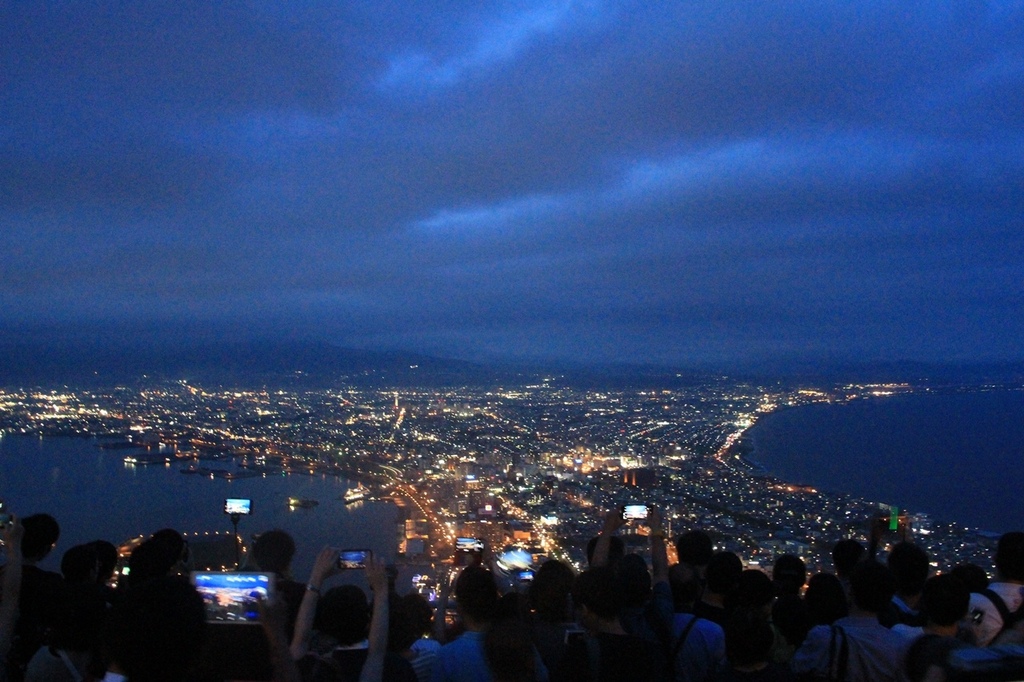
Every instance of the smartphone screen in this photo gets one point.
(353, 558)
(232, 597)
(468, 551)
(634, 511)
(237, 505)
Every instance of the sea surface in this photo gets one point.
(956, 456)
(93, 494)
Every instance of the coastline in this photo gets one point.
(933, 469)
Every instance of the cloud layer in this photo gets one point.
(670, 182)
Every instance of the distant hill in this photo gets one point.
(889, 371)
(231, 363)
(318, 364)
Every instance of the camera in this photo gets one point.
(353, 558)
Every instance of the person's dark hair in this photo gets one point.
(1009, 556)
(401, 626)
(476, 593)
(748, 638)
(972, 576)
(754, 590)
(175, 542)
(79, 564)
(944, 599)
(694, 547)
(597, 589)
(634, 580)
(106, 555)
(549, 592)
(789, 574)
(151, 559)
(511, 606)
(872, 586)
(723, 572)
(419, 608)
(41, 533)
(791, 618)
(909, 566)
(509, 652)
(409, 620)
(616, 550)
(344, 614)
(685, 584)
(79, 620)
(157, 630)
(825, 599)
(923, 652)
(845, 555)
(273, 551)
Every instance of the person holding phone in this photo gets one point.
(602, 556)
(42, 592)
(463, 659)
(606, 651)
(344, 614)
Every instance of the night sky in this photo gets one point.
(664, 182)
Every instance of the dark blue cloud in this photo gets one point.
(606, 180)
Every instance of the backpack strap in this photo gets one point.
(1009, 618)
(844, 654)
(72, 670)
(838, 655)
(678, 646)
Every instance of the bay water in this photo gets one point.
(958, 456)
(94, 495)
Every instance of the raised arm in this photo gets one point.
(323, 568)
(11, 589)
(274, 619)
(376, 575)
(659, 555)
(877, 528)
(444, 581)
(612, 522)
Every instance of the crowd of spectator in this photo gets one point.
(704, 617)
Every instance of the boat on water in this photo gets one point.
(144, 459)
(360, 492)
(304, 503)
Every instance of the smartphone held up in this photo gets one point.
(634, 512)
(353, 558)
(469, 551)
